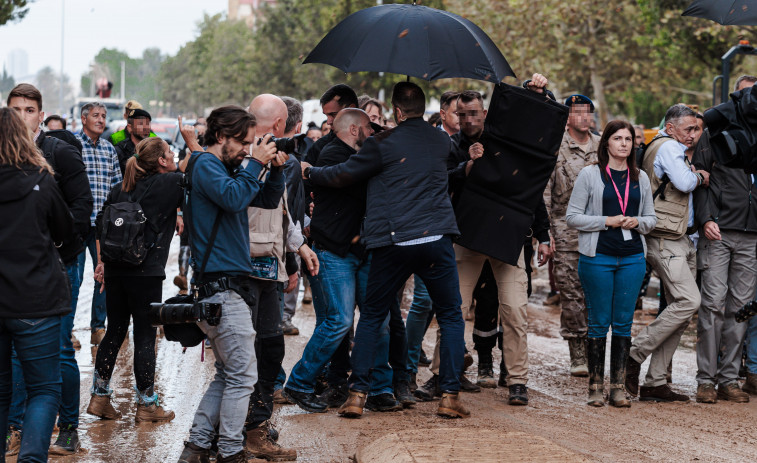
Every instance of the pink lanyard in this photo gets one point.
(623, 201)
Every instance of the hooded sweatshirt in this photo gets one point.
(35, 218)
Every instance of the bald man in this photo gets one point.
(335, 228)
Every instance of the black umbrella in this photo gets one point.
(725, 12)
(412, 40)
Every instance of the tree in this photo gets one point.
(6, 82)
(48, 82)
(13, 10)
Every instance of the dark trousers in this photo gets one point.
(435, 263)
(269, 349)
(486, 330)
(129, 298)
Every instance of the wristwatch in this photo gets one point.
(306, 172)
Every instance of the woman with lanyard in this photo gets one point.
(611, 207)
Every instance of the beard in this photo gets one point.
(229, 158)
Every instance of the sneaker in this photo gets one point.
(97, 336)
(403, 394)
(423, 360)
(383, 403)
(75, 342)
(467, 386)
(67, 442)
(706, 393)
(335, 396)
(732, 392)
(486, 376)
(289, 329)
(99, 405)
(451, 407)
(260, 445)
(429, 390)
(13, 441)
(353, 406)
(661, 394)
(518, 395)
(307, 401)
(194, 454)
(153, 413)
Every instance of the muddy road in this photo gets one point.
(556, 426)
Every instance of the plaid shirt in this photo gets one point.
(103, 169)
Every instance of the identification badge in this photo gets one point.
(627, 234)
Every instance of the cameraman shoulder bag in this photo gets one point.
(124, 226)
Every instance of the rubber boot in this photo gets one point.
(596, 358)
(577, 347)
(619, 349)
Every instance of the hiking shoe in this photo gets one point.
(153, 413)
(383, 403)
(486, 376)
(423, 360)
(260, 445)
(243, 456)
(661, 394)
(289, 329)
(633, 370)
(518, 395)
(67, 442)
(335, 396)
(75, 342)
(194, 454)
(97, 336)
(403, 395)
(13, 441)
(706, 393)
(451, 407)
(353, 406)
(467, 386)
(429, 390)
(99, 405)
(278, 397)
(733, 393)
(307, 401)
(750, 385)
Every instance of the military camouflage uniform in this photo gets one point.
(570, 160)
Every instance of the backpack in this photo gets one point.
(122, 237)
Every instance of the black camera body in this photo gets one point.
(167, 313)
(286, 145)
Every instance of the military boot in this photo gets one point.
(596, 359)
(577, 347)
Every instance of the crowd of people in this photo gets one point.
(355, 207)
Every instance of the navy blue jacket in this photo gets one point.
(212, 188)
(407, 191)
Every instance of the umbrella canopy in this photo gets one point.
(413, 40)
(725, 12)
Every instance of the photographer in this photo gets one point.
(218, 189)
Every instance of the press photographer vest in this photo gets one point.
(268, 232)
(671, 206)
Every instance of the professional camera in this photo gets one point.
(746, 312)
(286, 145)
(168, 313)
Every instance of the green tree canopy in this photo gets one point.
(13, 10)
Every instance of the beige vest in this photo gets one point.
(268, 233)
(671, 206)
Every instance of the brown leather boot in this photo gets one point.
(153, 413)
(750, 385)
(243, 456)
(260, 445)
(99, 405)
(451, 407)
(353, 406)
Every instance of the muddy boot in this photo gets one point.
(502, 374)
(13, 441)
(620, 346)
(403, 394)
(486, 376)
(428, 390)
(194, 454)
(577, 347)
(596, 358)
(99, 405)
(353, 407)
(451, 407)
(633, 370)
(413, 382)
(750, 385)
(67, 442)
(153, 413)
(260, 445)
(243, 456)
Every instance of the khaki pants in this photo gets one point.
(513, 303)
(573, 317)
(676, 265)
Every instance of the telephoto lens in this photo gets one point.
(746, 312)
(168, 314)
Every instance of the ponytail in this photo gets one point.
(144, 162)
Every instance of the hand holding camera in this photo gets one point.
(264, 151)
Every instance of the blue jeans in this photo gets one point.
(99, 312)
(611, 285)
(68, 413)
(417, 323)
(434, 262)
(751, 346)
(37, 343)
(343, 283)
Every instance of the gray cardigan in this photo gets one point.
(585, 209)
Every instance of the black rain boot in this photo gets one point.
(619, 349)
(596, 358)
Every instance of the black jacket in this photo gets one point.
(33, 281)
(295, 190)
(407, 191)
(731, 198)
(338, 212)
(458, 158)
(71, 177)
(125, 149)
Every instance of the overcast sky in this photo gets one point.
(128, 25)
